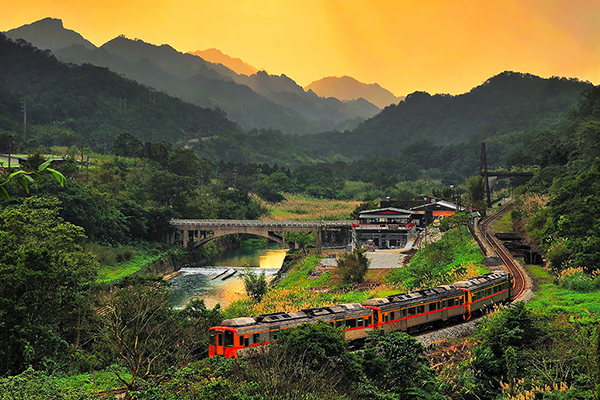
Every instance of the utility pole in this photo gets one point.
(24, 108)
(483, 170)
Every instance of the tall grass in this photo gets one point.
(306, 208)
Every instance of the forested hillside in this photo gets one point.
(506, 108)
(260, 101)
(91, 106)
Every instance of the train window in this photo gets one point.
(432, 306)
(212, 339)
(368, 321)
(228, 339)
(246, 341)
(241, 340)
(351, 323)
(256, 338)
(220, 340)
(274, 335)
(391, 315)
(412, 311)
(360, 322)
(420, 309)
(403, 313)
(338, 324)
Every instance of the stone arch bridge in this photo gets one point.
(196, 232)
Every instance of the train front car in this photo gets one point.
(418, 310)
(487, 290)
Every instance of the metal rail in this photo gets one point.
(509, 261)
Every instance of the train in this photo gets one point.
(407, 312)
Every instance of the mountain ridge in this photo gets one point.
(347, 88)
(213, 85)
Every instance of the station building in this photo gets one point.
(384, 228)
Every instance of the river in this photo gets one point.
(195, 282)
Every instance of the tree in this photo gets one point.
(302, 239)
(136, 325)
(44, 278)
(24, 178)
(256, 285)
(352, 267)
(394, 362)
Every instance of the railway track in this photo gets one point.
(490, 241)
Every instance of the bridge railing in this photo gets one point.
(232, 222)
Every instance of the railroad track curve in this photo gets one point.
(486, 232)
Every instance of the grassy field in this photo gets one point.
(306, 208)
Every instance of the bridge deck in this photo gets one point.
(261, 223)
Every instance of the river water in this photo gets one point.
(196, 282)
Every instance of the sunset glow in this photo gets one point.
(406, 45)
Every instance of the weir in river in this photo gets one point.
(197, 282)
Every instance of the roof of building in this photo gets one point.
(440, 204)
(385, 212)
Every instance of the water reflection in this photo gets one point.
(197, 283)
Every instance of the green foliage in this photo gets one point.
(256, 285)
(394, 366)
(301, 239)
(442, 262)
(44, 279)
(505, 336)
(352, 267)
(24, 178)
(37, 385)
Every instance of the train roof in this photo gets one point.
(414, 298)
(484, 280)
(283, 320)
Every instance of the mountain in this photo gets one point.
(216, 56)
(347, 88)
(259, 101)
(88, 105)
(49, 33)
(506, 108)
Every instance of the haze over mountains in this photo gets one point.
(256, 101)
(347, 88)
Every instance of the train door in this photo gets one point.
(216, 341)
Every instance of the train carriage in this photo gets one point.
(416, 310)
(486, 290)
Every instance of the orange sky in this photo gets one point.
(438, 46)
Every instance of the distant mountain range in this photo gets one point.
(216, 56)
(347, 88)
(258, 100)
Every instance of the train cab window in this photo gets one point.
(241, 340)
(219, 340)
(256, 338)
(412, 311)
(360, 322)
(212, 339)
(420, 309)
(228, 339)
(432, 306)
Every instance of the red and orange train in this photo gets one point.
(408, 312)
